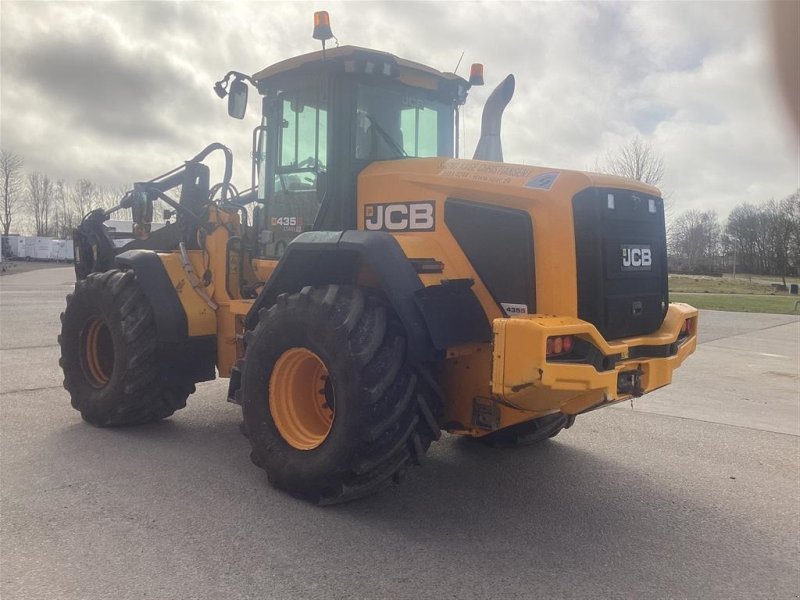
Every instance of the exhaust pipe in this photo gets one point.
(489, 146)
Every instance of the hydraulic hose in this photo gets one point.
(226, 178)
(194, 279)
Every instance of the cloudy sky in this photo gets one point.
(122, 91)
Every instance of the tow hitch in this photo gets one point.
(630, 382)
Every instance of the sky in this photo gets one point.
(122, 91)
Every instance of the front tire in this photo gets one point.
(109, 354)
(333, 409)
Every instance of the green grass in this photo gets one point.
(723, 285)
(778, 304)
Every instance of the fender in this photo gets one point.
(185, 357)
(171, 323)
(327, 257)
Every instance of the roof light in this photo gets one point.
(322, 26)
(476, 74)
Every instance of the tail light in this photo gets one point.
(561, 344)
(687, 327)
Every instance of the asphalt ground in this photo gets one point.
(691, 492)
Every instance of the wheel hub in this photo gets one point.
(97, 352)
(301, 399)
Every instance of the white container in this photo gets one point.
(62, 250)
(58, 250)
(43, 248)
(11, 246)
(30, 248)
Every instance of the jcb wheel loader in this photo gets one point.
(372, 289)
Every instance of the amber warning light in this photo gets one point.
(322, 26)
(476, 74)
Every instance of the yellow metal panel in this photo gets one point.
(498, 184)
(513, 377)
(522, 376)
(200, 316)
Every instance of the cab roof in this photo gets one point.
(354, 59)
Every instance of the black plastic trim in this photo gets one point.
(453, 314)
(662, 351)
(585, 353)
(326, 257)
(193, 359)
(171, 322)
(498, 242)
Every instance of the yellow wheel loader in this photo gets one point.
(371, 289)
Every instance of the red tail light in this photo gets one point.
(687, 327)
(561, 344)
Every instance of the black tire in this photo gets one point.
(109, 354)
(529, 432)
(386, 412)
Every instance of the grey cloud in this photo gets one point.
(105, 90)
(120, 91)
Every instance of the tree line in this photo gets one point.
(35, 204)
(760, 239)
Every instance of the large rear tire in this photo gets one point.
(332, 408)
(109, 354)
(529, 432)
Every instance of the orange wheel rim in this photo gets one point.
(97, 352)
(301, 399)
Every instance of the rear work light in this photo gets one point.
(561, 344)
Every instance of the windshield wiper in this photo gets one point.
(386, 137)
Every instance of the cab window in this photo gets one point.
(398, 122)
(297, 194)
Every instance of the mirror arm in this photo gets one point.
(221, 86)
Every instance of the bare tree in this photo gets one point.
(765, 239)
(11, 181)
(635, 160)
(111, 196)
(695, 236)
(85, 197)
(40, 196)
(64, 219)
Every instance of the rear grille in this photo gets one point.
(621, 253)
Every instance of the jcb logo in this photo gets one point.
(636, 257)
(406, 216)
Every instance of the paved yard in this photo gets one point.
(692, 492)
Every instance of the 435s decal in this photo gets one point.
(400, 216)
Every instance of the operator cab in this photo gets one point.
(327, 115)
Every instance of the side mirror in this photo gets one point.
(237, 99)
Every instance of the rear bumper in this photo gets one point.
(524, 378)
